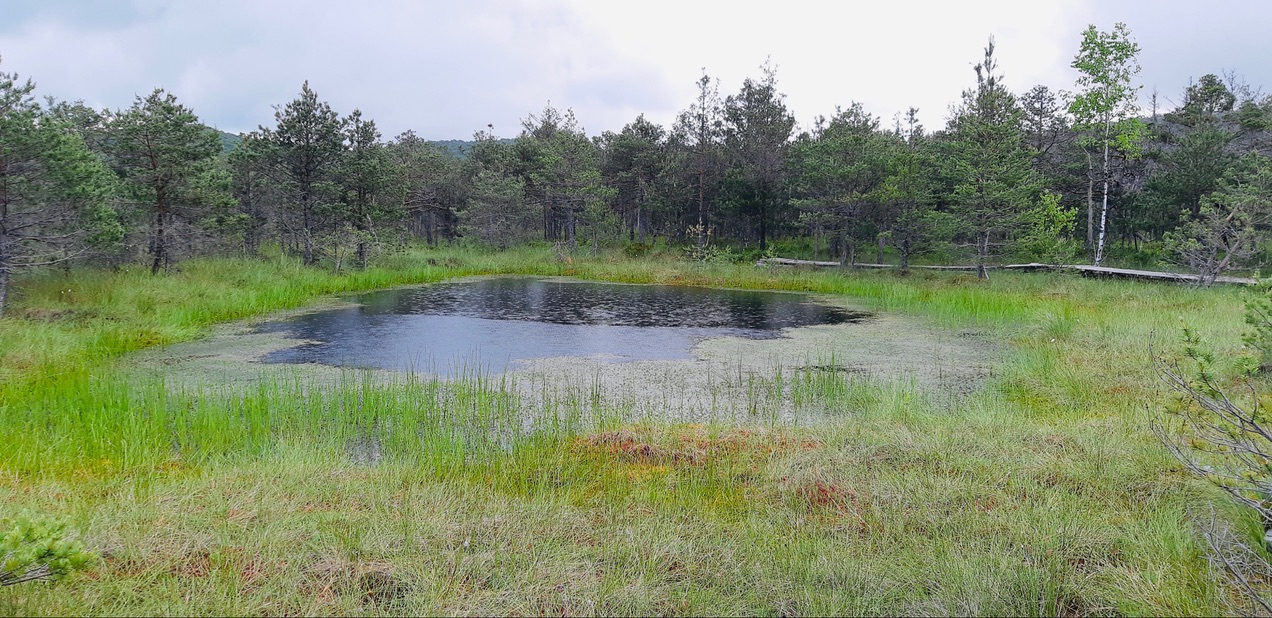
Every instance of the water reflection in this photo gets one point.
(491, 324)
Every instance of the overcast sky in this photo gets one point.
(448, 68)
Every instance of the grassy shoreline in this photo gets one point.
(1042, 493)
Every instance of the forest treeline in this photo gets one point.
(1047, 175)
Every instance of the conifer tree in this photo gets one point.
(562, 172)
(308, 143)
(364, 176)
(166, 159)
(838, 170)
(427, 185)
(994, 182)
(757, 130)
(634, 166)
(907, 190)
(253, 187)
(55, 195)
(700, 129)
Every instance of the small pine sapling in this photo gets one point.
(37, 548)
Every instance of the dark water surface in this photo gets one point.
(490, 324)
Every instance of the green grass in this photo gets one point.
(1041, 492)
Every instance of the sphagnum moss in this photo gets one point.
(1040, 492)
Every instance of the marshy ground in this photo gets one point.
(1035, 489)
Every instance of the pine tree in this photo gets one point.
(562, 172)
(364, 176)
(837, 171)
(253, 188)
(308, 143)
(757, 130)
(635, 165)
(907, 190)
(699, 129)
(166, 158)
(496, 208)
(1231, 224)
(988, 163)
(55, 195)
(428, 186)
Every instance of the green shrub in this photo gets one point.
(1144, 255)
(637, 249)
(1049, 232)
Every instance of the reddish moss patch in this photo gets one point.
(688, 445)
(823, 494)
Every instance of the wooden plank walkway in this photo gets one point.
(1086, 270)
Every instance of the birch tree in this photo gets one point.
(1104, 110)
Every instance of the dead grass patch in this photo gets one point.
(374, 583)
(689, 444)
(42, 314)
(195, 564)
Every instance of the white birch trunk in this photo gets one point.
(1104, 207)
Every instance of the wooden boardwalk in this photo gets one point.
(1086, 270)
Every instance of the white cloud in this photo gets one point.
(889, 56)
(446, 69)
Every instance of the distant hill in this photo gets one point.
(229, 141)
(459, 148)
